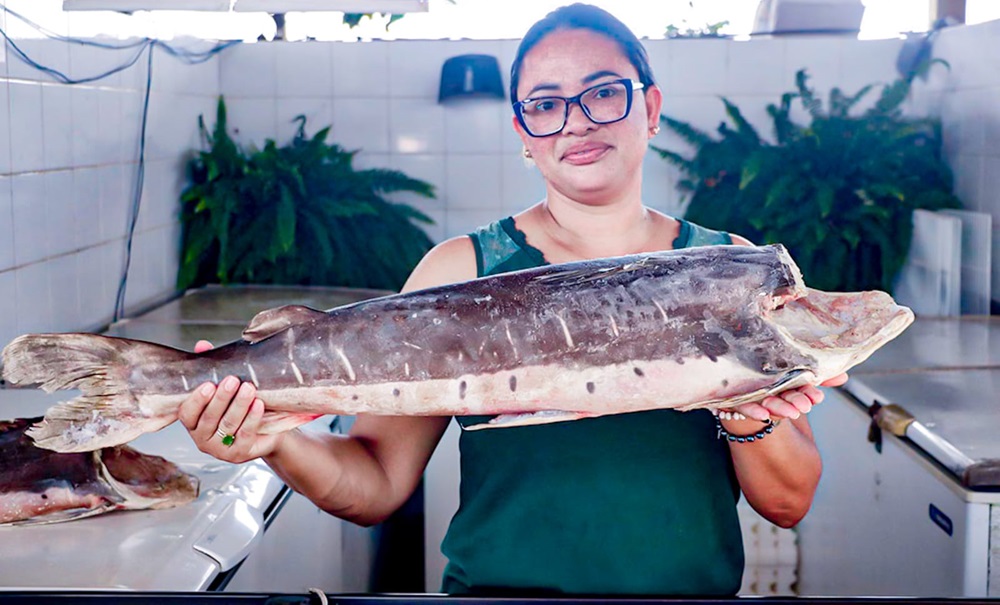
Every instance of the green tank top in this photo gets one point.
(641, 503)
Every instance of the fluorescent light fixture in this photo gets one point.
(347, 6)
(264, 6)
(146, 5)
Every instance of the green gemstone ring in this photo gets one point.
(227, 440)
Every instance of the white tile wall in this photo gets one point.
(99, 272)
(970, 116)
(250, 120)
(5, 138)
(57, 109)
(303, 69)
(162, 188)
(820, 57)
(415, 67)
(175, 75)
(26, 127)
(521, 183)
(757, 67)
(418, 125)
(364, 124)
(87, 205)
(8, 306)
(697, 67)
(87, 61)
(108, 147)
(361, 69)
(868, 62)
(6, 225)
(426, 167)
(64, 284)
(475, 126)
(32, 241)
(67, 176)
(473, 182)
(34, 298)
(61, 227)
(249, 70)
(116, 186)
(87, 128)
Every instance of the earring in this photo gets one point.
(655, 130)
(526, 153)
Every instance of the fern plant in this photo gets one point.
(297, 214)
(839, 193)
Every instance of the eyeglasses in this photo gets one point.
(602, 104)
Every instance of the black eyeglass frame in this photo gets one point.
(630, 86)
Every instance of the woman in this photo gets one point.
(640, 503)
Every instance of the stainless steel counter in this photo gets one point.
(185, 548)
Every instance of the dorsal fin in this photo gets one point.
(270, 322)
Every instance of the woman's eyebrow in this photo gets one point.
(543, 87)
(597, 75)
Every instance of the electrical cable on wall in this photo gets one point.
(146, 45)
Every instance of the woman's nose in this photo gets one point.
(576, 120)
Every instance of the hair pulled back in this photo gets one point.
(589, 17)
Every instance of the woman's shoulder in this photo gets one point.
(689, 235)
(451, 261)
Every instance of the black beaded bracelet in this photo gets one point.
(724, 434)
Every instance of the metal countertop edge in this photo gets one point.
(169, 598)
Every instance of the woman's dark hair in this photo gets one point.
(583, 16)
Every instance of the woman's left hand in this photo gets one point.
(791, 403)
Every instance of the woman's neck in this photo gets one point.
(584, 231)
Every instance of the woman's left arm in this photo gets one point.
(779, 474)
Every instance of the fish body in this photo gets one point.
(709, 327)
(41, 486)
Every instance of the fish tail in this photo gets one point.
(107, 413)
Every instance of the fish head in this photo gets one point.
(840, 329)
(144, 480)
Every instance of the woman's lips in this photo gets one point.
(585, 154)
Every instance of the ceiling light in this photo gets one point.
(265, 6)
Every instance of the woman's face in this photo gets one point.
(586, 162)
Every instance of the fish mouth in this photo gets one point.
(847, 325)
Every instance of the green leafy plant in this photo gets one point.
(296, 214)
(839, 193)
(687, 30)
(354, 19)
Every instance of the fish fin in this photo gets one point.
(528, 419)
(61, 516)
(107, 413)
(279, 422)
(270, 322)
(144, 480)
(790, 380)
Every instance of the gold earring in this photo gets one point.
(655, 130)
(526, 153)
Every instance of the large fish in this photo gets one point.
(711, 327)
(40, 486)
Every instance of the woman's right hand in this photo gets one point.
(212, 413)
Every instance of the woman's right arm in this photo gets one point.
(363, 476)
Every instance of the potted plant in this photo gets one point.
(839, 193)
(296, 214)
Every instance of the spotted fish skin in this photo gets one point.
(697, 327)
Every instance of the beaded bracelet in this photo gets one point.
(767, 430)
